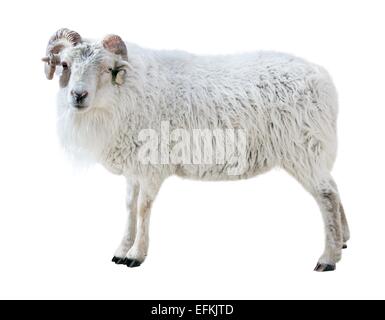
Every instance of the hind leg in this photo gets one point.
(321, 185)
(345, 227)
(344, 223)
(328, 200)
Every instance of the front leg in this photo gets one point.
(137, 254)
(130, 229)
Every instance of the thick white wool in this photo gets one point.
(287, 107)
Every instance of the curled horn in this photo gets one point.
(61, 39)
(116, 45)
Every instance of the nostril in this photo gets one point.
(79, 95)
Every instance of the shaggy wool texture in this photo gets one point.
(286, 106)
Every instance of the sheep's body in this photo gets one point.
(286, 107)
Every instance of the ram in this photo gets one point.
(148, 115)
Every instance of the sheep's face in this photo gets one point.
(90, 73)
(91, 78)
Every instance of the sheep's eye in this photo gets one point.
(110, 69)
(64, 65)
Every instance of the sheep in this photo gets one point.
(257, 111)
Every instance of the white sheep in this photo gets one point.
(148, 114)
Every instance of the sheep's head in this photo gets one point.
(88, 70)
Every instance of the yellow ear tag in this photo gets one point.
(120, 76)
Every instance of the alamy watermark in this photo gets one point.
(226, 147)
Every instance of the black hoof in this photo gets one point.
(345, 246)
(118, 260)
(323, 267)
(131, 263)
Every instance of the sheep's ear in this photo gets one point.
(116, 45)
(119, 73)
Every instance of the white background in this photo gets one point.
(259, 238)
